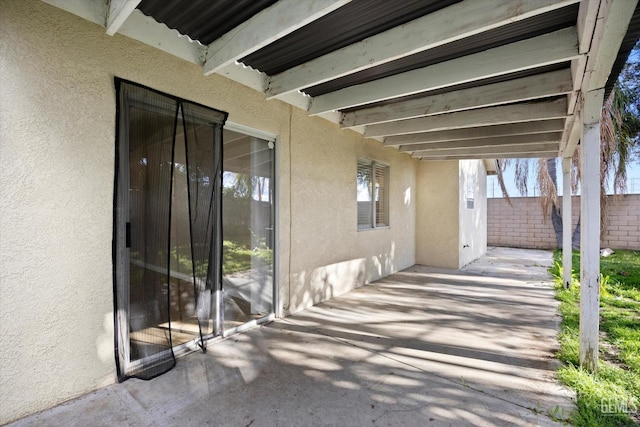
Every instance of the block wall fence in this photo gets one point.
(523, 226)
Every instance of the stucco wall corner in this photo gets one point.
(472, 210)
(437, 214)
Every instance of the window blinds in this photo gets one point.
(372, 194)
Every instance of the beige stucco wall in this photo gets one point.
(448, 234)
(57, 114)
(473, 222)
(329, 256)
(437, 214)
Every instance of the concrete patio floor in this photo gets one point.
(421, 347)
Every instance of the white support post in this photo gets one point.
(566, 223)
(590, 230)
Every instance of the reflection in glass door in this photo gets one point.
(185, 295)
(248, 229)
(167, 236)
(179, 270)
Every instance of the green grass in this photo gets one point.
(238, 258)
(235, 257)
(601, 398)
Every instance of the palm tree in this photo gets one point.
(619, 144)
(619, 137)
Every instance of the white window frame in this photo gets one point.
(470, 186)
(373, 165)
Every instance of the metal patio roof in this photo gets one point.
(438, 79)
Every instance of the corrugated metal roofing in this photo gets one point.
(203, 20)
(207, 20)
(521, 30)
(351, 23)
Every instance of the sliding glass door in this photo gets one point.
(248, 229)
(193, 244)
(167, 219)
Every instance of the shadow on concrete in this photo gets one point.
(421, 347)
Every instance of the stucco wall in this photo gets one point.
(57, 115)
(523, 226)
(329, 256)
(437, 214)
(473, 220)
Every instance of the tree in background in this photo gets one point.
(619, 147)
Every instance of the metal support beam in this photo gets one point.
(567, 230)
(590, 230)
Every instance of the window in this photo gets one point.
(193, 232)
(469, 193)
(248, 220)
(372, 194)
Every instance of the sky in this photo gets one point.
(493, 189)
(633, 171)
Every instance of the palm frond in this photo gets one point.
(522, 175)
(547, 187)
(502, 166)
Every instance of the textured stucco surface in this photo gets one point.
(473, 222)
(57, 120)
(448, 234)
(437, 214)
(324, 211)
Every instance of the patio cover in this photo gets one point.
(438, 79)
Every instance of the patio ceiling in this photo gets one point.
(438, 79)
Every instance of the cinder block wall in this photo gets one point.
(623, 223)
(522, 226)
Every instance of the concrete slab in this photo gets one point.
(522, 264)
(422, 347)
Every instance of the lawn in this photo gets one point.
(612, 396)
(239, 258)
(235, 257)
